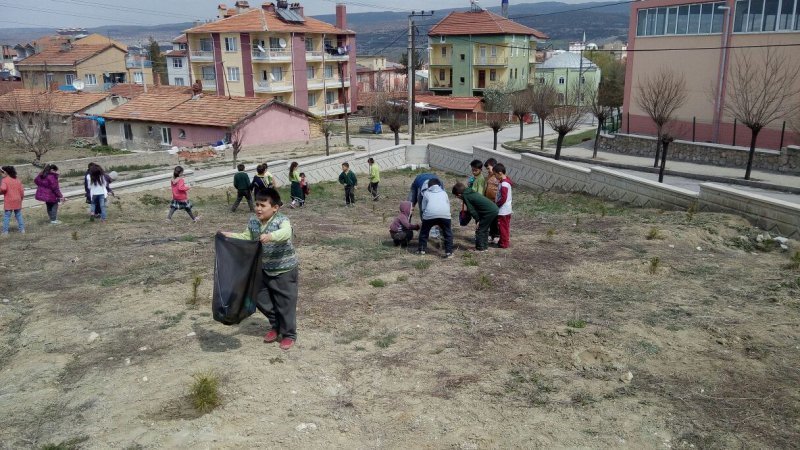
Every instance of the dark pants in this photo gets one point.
(239, 196)
(373, 189)
(482, 233)
(444, 225)
(504, 225)
(402, 238)
(277, 299)
(349, 196)
(494, 231)
(172, 211)
(52, 211)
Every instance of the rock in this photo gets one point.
(92, 337)
(781, 240)
(759, 238)
(141, 349)
(699, 249)
(5, 300)
(784, 247)
(626, 377)
(306, 427)
(144, 378)
(671, 246)
(127, 361)
(192, 334)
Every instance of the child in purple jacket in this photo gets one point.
(49, 192)
(401, 227)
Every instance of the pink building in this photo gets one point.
(704, 41)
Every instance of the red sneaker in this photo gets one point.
(271, 336)
(287, 343)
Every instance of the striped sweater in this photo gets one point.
(277, 256)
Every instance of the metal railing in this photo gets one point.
(273, 86)
(271, 55)
(499, 60)
(202, 55)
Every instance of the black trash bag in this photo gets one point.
(463, 218)
(237, 279)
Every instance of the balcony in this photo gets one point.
(313, 56)
(131, 64)
(272, 55)
(332, 55)
(210, 85)
(316, 83)
(440, 84)
(331, 109)
(499, 60)
(202, 55)
(273, 86)
(439, 60)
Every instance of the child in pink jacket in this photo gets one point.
(13, 193)
(180, 195)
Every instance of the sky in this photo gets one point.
(92, 13)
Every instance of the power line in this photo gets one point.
(148, 12)
(367, 5)
(62, 13)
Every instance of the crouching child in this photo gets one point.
(277, 298)
(480, 208)
(401, 228)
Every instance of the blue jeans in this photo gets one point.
(7, 219)
(99, 202)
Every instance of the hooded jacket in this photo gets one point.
(180, 191)
(435, 204)
(13, 193)
(47, 189)
(403, 220)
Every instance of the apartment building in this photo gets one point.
(275, 51)
(565, 71)
(475, 50)
(375, 73)
(178, 69)
(705, 41)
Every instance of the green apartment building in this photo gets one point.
(475, 50)
(564, 70)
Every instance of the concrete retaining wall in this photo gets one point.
(637, 191)
(108, 162)
(449, 159)
(769, 214)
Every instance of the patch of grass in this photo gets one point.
(402, 278)
(576, 323)
(582, 398)
(70, 444)
(422, 264)
(691, 211)
(188, 238)
(377, 283)
(195, 288)
(133, 167)
(171, 321)
(528, 387)
(74, 235)
(654, 233)
(469, 260)
(655, 261)
(572, 140)
(550, 233)
(108, 150)
(483, 283)
(352, 335)
(794, 261)
(386, 339)
(152, 200)
(648, 347)
(359, 348)
(276, 360)
(204, 392)
(112, 281)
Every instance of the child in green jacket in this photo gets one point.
(348, 179)
(374, 178)
(483, 210)
(241, 182)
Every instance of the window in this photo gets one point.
(330, 97)
(149, 130)
(683, 19)
(276, 74)
(441, 75)
(707, 9)
(442, 39)
(328, 43)
(206, 45)
(461, 80)
(183, 47)
(127, 131)
(444, 52)
(230, 44)
(181, 133)
(493, 51)
(179, 82)
(328, 71)
(91, 79)
(641, 22)
(462, 57)
(309, 44)
(310, 72)
(561, 80)
(233, 74)
(516, 73)
(672, 20)
(138, 77)
(492, 75)
(275, 43)
(695, 18)
(312, 100)
(785, 17)
(48, 79)
(208, 73)
(166, 136)
(755, 16)
(177, 63)
(69, 79)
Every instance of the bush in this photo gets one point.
(205, 392)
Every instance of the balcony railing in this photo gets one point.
(439, 60)
(131, 64)
(499, 60)
(331, 109)
(273, 86)
(202, 55)
(272, 55)
(210, 85)
(313, 56)
(316, 83)
(440, 84)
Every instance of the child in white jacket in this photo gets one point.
(436, 212)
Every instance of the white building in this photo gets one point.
(178, 70)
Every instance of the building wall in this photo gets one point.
(112, 61)
(232, 59)
(276, 125)
(571, 77)
(147, 135)
(183, 72)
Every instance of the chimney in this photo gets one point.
(504, 7)
(222, 8)
(242, 6)
(298, 9)
(268, 6)
(341, 16)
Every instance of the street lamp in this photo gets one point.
(721, 77)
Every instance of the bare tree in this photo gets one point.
(565, 118)
(29, 115)
(238, 134)
(600, 111)
(521, 104)
(761, 91)
(497, 105)
(384, 108)
(326, 128)
(543, 101)
(660, 95)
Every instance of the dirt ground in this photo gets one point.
(602, 326)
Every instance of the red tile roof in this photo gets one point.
(208, 110)
(57, 102)
(8, 86)
(132, 90)
(76, 54)
(447, 102)
(263, 20)
(480, 22)
(180, 39)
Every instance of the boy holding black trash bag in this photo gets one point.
(277, 293)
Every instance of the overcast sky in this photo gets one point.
(92, 13)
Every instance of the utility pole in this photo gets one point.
(411, 77)
(346, 123)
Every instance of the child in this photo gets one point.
(418, 188)
(277, 298)
(180, 195)
(13, 193)
(401, 227)
(503, 201)
(262, 181)
(49, 192)
(476, 181)
(436, 212)
(298, 197)
(241, 182)
(374, 178)
(98, 190)
(304, 185)
(483, 210)
(348, 179)
(491, 180)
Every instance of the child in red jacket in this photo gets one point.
(13, 193)
(180, 195)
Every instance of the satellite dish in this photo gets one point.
(78, 85)
(282, 42)
(261, 49)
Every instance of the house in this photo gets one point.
(178, 69)
(475, 50)
(617, 49)
(168, 118)
(564, 70)
(375, 73)
(457, 107)
(8, 56)
(130, 91)
(66, 112)
(714, 39)
(276, 52)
